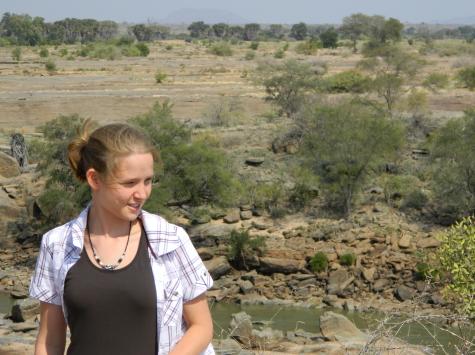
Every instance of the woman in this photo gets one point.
(125, 281)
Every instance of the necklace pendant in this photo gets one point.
(109, 266)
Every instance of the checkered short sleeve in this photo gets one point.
(195, 277)
(44, 284)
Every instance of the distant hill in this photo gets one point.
(209, 16)
(469, 20)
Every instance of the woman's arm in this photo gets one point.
(200, 327)
(51, 338)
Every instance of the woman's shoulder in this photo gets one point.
(157, 226)
(58, 236)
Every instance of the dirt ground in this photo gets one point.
(115, 90)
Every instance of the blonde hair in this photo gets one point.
(101, 148)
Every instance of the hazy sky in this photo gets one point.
(263, 11)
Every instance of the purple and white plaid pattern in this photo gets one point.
(178, 271)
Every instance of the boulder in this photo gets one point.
(368, 274)
(232, 217)
(216, 231)
(429, 242)
(245, 215)
(8, 166)
(380, 285)
(8, 206)
(24, 309)
(246, 286)
(218, 267)
(404, 293)
(337, 327)
(241, 326)
(278, 265)
(338, 281)
(405, 241)
(254, 161)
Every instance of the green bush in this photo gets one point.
(347, 81)
(254, 45)
(50, 66)
(16, 54)
(193, 172)
(143, 49)
(279, 54)
(125, 41)
(63, 52)
(304, 190)
(63, 196)
(308, 47)
(44, 52)
(250, 55)
(348, 259)
(436, 81)
(222, 49)
(398, 187)
(269, 196)
(168, 47)
(160, 77)
(466, 77)
(319, 262)
(416, 198)
(243, 247)
(457, 257)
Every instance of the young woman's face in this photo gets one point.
(125, 192)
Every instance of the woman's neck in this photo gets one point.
(103, 223)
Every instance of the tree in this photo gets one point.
(251, 30)
(198, 29)
(142, 32)
(355, 26)
(329, 38)
(299, 31)
(453, 168)
(276, 31)
(392, 30)
(22, 29)
(392, 69)
(341, 144)
(288, 83)
(220, 30)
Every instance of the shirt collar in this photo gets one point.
(162, 236)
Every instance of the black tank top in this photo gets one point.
(112, 312)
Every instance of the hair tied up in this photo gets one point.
(76, 150)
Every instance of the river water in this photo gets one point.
(287, 318)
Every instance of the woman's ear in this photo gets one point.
(93, 179)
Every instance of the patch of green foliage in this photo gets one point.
(436, 81)
(193, 171)
(453, 168)
(160, 76)
(308, 47)
(347, 259)
(457, 257)
(221, 49)
(44, 52)
(143, 49)
(466, 77)
(63, 196)
(350, 81)
(16, 54)
(50, 66)
(254, 45)
(243, 247)
(319, 262)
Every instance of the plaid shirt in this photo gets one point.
(178, 271)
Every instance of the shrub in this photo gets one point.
(466, 77)
(398, 187)
(44, 52)
(254, 45)
(436, 81)
(16, 54)
(125, 40)
(268, 196)
(160, 77)
(279, 54)
(416, 198)
(250, 55)
(222, 49)
(304, 190)
(50, 66)
(285, 47)
(319, 262)
(457, 257)
(224, 112)
(243, 247)
(347, 259)
(347, 81)
(453, 168)
(168, 47)
(143, 49)
(63, 52)
(308, 47)
(63, 196)
(193, 172)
